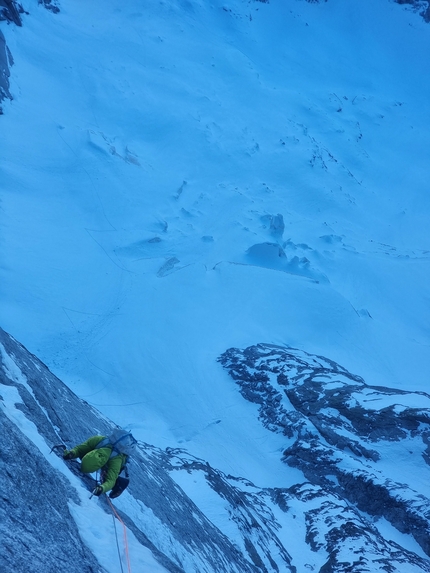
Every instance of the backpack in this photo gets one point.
(121, 442)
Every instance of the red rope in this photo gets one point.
(127, 556)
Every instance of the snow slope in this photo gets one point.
(182, 177)
(353, 514)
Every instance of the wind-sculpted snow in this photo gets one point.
(350, 439)
(12, 11)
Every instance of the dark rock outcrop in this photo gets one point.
(421, 6)
(38, 411)
(5, 62)
(52, 5)
(341, 432)
(11, 11)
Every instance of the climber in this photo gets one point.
(110, 456)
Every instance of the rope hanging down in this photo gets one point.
(117, 544)
(127, 556)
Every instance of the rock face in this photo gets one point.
(11, 11)
(421, 6)
(52, 5)
(37, 530)
(337, 429)
(5, 62)
(356, 444)
(39, 509)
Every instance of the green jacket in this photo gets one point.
(110, 470)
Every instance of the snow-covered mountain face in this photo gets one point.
(368, 444)
(183, 178)
(47, 517)
(182, 514)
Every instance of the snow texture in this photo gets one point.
(214, 231)
(306, 398)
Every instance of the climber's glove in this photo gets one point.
(98, 490)
(68, 455)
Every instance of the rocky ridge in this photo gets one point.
(346, 436)
(329, 522)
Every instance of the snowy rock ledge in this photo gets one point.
(363, 448)
(5, 62)
(421, 6)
